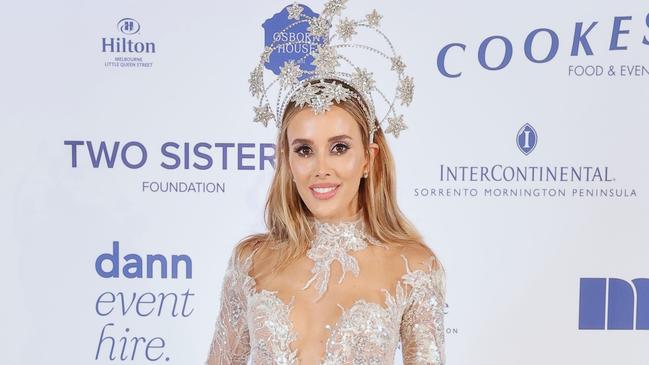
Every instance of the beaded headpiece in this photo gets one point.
(323, 76)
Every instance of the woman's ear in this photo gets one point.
(372, 151)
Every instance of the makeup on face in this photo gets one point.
(327, 161)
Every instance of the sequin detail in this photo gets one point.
(332, 243)
(255, 326)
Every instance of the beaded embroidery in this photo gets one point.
(255, 325)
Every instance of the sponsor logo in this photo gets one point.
(613, 304)
(127, 50)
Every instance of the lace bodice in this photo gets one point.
(358, 319)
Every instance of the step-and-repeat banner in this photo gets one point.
(131, 167)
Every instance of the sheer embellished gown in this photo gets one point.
(350, 300)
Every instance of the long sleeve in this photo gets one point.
(231, 341)
(422, 324)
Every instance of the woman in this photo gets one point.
(331, 213)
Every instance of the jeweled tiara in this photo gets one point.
(321, 82)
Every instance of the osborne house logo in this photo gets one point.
(290, 39)
(613, 304)
(125, 48)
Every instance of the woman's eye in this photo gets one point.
(340, 148)
(303, 150)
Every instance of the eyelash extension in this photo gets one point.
(341, 144)
(300, 148)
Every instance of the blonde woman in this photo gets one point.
(331, 214)
(340, 276)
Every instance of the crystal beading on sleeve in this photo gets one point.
(422, 325)
(231, 341)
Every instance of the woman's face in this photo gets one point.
(327, 161)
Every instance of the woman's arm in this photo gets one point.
(231, 340)
(422, 324)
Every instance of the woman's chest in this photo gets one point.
(356, 319)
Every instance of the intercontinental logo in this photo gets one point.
(125, 48)
(534, 179)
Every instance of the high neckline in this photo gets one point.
(333, 241)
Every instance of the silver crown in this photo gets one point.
(321, 87)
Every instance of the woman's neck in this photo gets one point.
(346, 219)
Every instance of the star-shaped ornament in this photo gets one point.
(346, 29)
(373, 18)
(256, 81)
(363, 80)
(333, 7)
(405, 90)
(263, 114)
(318, 27)
(397, 64)
(290, 73)
(396, 125)
(325, 60)
(294, 11)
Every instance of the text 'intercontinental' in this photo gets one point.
(525, 173)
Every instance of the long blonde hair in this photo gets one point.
(286, 215)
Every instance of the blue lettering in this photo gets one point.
(263, 157)
(554, 45)
(225, 147)
(203, 156)
(103, 150)
(142, 151)
(580, 38)
(617, 23)
(134, 263)
(171, 155)
(441, 59)
(74, 145)
(482, 50)
(242, 156)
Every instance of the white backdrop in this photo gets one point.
(514, 263)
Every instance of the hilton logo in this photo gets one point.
(128, 26)
(620, 306)
(526, 139)
(126, 50)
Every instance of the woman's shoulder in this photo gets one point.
(254, 254)
(412, 255)
(422, 267)
(249, 246)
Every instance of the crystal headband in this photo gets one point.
(323, 82)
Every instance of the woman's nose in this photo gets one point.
(322, 167)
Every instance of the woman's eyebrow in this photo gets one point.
(308, 141)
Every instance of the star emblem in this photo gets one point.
(256, 81)
(290, 73)
(373, 18)
(294, 11)
(396, 125)
(363, 80)
(325, 59)
(263, 114)
(333, 7)
(346, 29)
(318, 27)
(405, 90)
(397, 64)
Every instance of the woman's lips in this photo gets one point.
(324, 192)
